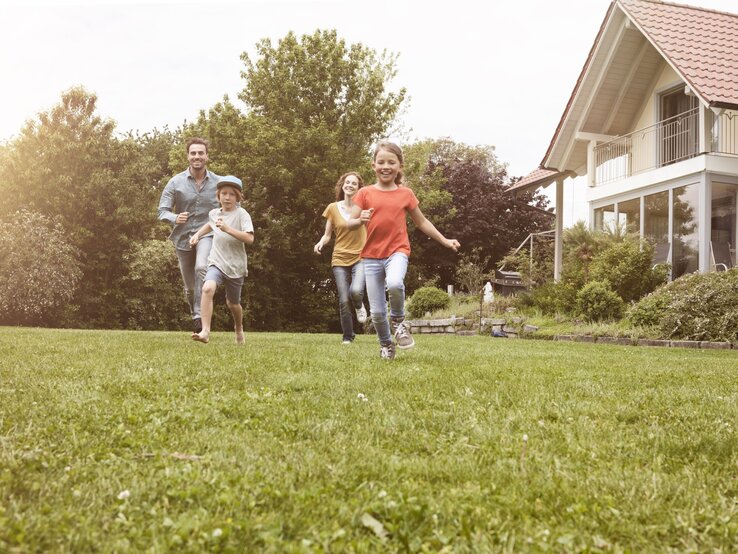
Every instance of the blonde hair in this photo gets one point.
(340, 195)
(239, 194)
(394, 149)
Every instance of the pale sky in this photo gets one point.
(482, 72)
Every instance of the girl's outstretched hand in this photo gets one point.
(453, 244)
(366, 215)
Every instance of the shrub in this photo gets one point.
(627, 266)
(154, 297)
(554, 298)
(470, 273)
(694, 307)
(427, 299)
(39, 269)
(596, 301)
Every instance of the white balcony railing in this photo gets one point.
(664, 143)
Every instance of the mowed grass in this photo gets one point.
(148, 442)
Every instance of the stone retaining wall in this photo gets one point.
(626, 341)
(451, 326)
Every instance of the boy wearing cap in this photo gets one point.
(232, 229)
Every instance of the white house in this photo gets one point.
(653, 125)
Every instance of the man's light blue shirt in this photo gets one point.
(181, 195)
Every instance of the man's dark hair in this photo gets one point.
(197, 140)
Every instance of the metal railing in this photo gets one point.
(663, 143)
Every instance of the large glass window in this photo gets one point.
(604, 218)
(685, 243)
(723, 220)
(629, 215)
(656, 217)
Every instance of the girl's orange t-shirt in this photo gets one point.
(386, 231)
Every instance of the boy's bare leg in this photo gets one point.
(206, 311)
(237, 313)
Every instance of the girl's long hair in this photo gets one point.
(339, 185)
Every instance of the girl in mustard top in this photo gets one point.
(348, 269)
(382, 208)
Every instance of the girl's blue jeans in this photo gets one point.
(350, 285)
(389, 274)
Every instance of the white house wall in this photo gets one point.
(649, 114)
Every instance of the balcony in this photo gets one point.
(666, 142)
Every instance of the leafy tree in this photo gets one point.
(69, 166)
(314, 107)
(463, 191)
(39, 268)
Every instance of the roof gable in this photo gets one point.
(700, 45)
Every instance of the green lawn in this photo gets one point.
(146, 441)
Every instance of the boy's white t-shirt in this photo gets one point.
(228, 253)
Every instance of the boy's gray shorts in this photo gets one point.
(232, 286)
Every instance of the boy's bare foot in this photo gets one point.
(201, 337)
(239, 337)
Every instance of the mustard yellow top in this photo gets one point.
(349, 242)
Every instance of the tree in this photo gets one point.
(463, 192)
(68, 166)
(39, 268)
(314, 107)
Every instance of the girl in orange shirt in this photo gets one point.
(382, 207)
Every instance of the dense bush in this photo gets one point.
(39, 269)
(155, 299)
(627, 266)
(427, 299)
(554, 298)
(596, 301)
(700, 306)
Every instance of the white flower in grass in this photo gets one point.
(122, 495)
(525, 437)
(382, 494)
(361, 396)
(217, 532)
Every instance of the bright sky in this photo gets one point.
(492, 72)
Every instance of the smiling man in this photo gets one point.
(185, 203)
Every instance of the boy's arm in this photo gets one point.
(429, 229)
(325, 239)
(205, 229)
(246, 237)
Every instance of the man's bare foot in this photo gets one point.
(239, 337)
(202, 336)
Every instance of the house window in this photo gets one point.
(656, 217)
(604, 218)
(724, 214)
(678, 136)
(629, 215)
(685, 242)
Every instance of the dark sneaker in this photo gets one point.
(387, 352)
(401, 332)
(197, 325)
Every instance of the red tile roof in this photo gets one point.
(701, 45)
(536, 179)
